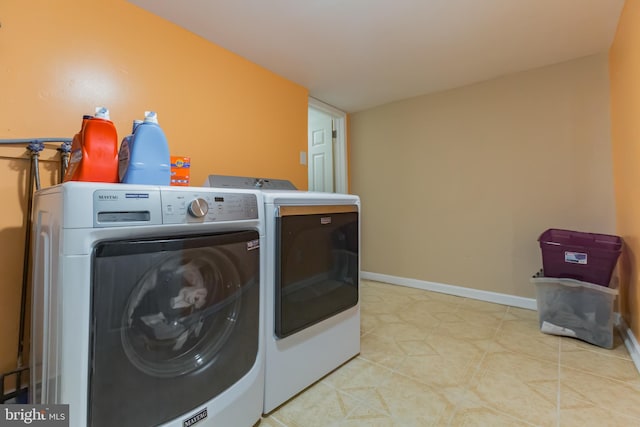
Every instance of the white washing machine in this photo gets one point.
(312, 284)
(147, 305)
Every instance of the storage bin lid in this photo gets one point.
(555, 236)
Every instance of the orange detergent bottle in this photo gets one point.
(94, 150)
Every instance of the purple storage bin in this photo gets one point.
(587, 257)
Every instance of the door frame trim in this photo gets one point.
(340, 153)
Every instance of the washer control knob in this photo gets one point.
(198, 208)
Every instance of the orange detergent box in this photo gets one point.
(180, 167)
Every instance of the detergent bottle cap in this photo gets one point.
(102, 113)
(150, 117)
(136, 123)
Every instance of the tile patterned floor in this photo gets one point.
(430, 359)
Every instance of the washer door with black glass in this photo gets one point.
(175, 323)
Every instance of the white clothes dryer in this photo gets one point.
(312, 321)
(147, 305)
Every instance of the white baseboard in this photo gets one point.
(629, 340)
(505, 299)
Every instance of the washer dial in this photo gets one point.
(198, 208)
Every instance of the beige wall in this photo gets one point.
(60, 59)
(624, 57)
(457, 186)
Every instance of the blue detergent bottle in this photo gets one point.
(144, 155)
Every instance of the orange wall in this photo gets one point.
(60, 59)
(624, 64)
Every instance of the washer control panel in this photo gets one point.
(115, 207)
(183, 207)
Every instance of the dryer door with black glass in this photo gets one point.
(317, 249)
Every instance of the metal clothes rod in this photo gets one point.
(30, 140)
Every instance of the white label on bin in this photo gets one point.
(575, 257)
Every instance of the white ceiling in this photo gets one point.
(357, 54)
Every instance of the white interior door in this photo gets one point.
(339, 142)
(320, 151)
